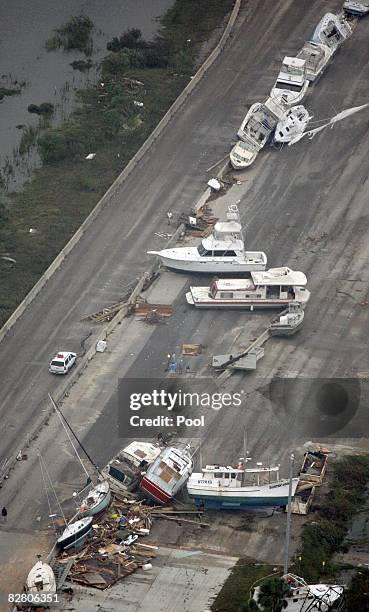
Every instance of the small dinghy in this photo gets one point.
(289, 322)
(41, 579)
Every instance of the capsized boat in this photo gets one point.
(289, 322)
(303, 597)
(225, 487)
(316, 57)
(75, 534)
(124, 472)
(273, 288)
(293, 123)
(291, 84)
(356, 7)
(41, 579)
(97, 500)
(222, 251)
(332, 30)
(168, 474)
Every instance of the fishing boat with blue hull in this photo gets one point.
(75, 534)
(217, 487)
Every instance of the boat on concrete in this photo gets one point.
(125, 471)
(225, 487)
(316, 57)
(97, 500)
(303, 597)
(274, 288)
(221, 252)
(292, 125)
(358, 8)
(332, 30)
(291, 84)
(255, 131)
(41, 579)
(75, 534)
(168, 474)
(289, 322)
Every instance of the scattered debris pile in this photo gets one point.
(311, 475)
(200, 222)
(114, 550)
(152, 313)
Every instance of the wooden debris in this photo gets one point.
(191, 349)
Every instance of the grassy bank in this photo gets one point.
(322, 537)
(141, 80)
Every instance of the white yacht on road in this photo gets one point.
(273, 288)
(291, 84)
(221, 252)
(316, 57)
(293, 124)
(332, 30)
(356, 7)
(255, 131)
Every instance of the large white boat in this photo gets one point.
(316, 57)
(274, 288)
(168, 474)
(124, 472)
(293, 124)
(291, 84)
(303, 597)
(220, 487)
(222, 251)
(41, 579)
(356, 7)
(255, 131)
(332, 30)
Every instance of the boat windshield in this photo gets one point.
(288, 86)
(218, 253)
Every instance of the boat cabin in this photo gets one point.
(225, 241)
(228, 476)
(275, 284)
(316, 57)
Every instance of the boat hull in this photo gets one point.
(285, 330)
(100, 507)
(156, 493)
(211, 267)
(76, 539)
(234, 304)
(267, 496)
(41, 579)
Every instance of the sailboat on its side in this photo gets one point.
(99, 496)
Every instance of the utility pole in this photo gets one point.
(289, 512)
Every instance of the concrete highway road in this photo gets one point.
(305, 206)
(171, 177)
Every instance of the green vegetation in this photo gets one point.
(325, 534)
(6, 91)
(82, 65)
(357, 596)
(75, 34)
(110, 122)
(29, 138)
(235, 593)
(321, 538)
(46, 108)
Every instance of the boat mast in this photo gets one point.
(62, 418)
(288, 526)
